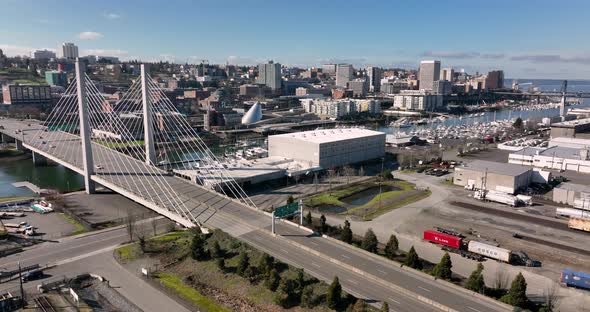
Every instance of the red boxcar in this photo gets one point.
(442, 238)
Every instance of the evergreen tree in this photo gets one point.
(273, 280)
(243, 263)
(290, 199)
(198, 247)
(443, 268)
(412, 260)
(346, 233)
(299, 281)
(286, 294)
(216, 251)
(391, 247)
(370, 241)
(333, 297)
(308, 219)
(517, 293)
(322, 223)
(517, 123)
(220, 264)
(308, 299)
(360, 306)
(385, 307)
(476, 282)
(265, 264)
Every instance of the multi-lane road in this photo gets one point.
(361, 274)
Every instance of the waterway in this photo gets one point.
(50, 177)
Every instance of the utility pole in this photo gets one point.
(272, 227)
(22, 292)
(87, 159)
(301, 212)
(150, 152)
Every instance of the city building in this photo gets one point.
(374, 74)
(447, 74)
(429, 72)
(329, 69)
(417, 100)
(344, 74)
(495, 80)
(489, 175)
(570, 128)
(555, 157)
(359, 87)
(69, 51)
(43, 55)
(251, 90)
(269, 74)
(393, 87)
(442, 87)
(340, 108)
(328, 148)
(26, 94)
(56, 78)
(576, 195)
(107, 59)
(253, 115)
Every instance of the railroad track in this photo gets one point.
(44, 304)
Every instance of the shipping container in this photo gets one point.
(489, 251)
(579, 224)
(572, 213)
(442, 239)
(575, 279)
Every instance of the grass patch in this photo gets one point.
(167, 237)
(333, 198)
(120, 144)
(399, 203)
(127, 252)
(176, 284)
(79, 227)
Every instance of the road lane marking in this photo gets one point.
(354, 282)
(86, 255)
(428, 290)
(345, 256)
(474, 309)
(285, 251)
(315, 265)
(314, 243)
(382, 272)
(393, 300)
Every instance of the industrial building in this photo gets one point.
(576, 195)
(489, 175)
(26, 94)
(555, 157)
(571, 128)
(330, 147)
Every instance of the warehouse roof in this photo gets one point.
(496, 167)
(574, 187)
(528, 151)
(571, 123)
(562, 152)
(331, 135)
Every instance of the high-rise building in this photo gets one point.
(269, 74)
(429, 72)
(495, 80)
(359, 87)
(343, 75)
(69, 51)
(374, 74)
(56, 78)
(329, 69)
(43, 54)
(447, 74)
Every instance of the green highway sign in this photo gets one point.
(286, 210)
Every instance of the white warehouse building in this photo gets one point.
(329, 147)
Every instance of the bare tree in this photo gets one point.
(502, 280)
(349, 172)
(155, 225)
(361, 171)
(296, 178)
(551, 297)
(331, 175)
(130, 224)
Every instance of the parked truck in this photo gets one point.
(571, 278)
(498, 197)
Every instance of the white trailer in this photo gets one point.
(490, 251)
(572, 213)
(498, 197)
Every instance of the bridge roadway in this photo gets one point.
(373, 279)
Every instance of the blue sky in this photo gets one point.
(528, 39)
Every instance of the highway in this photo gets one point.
(361, 275)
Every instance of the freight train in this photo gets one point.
(475, 250)
(572, 278)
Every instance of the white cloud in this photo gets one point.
(111, 15)
(105, 52)
(90, 35)
(14, 50)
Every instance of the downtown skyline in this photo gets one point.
(525, 40)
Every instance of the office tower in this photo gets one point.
(43, 55)
(447, 74)
(69, 51)
(429, 72)
(495, 80)
(269, 74)
(374, 75)
(343, 75)
(329, 69)
(359, 87)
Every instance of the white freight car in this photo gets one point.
(490, 251)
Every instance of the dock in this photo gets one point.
(34, 188)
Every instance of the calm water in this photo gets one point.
(50, 177)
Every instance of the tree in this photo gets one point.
(517, 123)
(333, 297)
(220, 264)
(308, 299)
(243, 263)
(516, 295)
(290, 199)
(412, 260)
(476, 282)
(360, 306)
(370, 241)
(308, 219)
(216, 251)
(346, 234)
(142, 243)
(443, 268)
(155, 225)
(361, 171)
(299, 282)
(286, 294)
(391, 247)
(130, 224)
(265, 264)
(322, 223)
(273, 280)
(198, 247)
(385, 307)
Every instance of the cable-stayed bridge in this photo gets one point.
(120, 146)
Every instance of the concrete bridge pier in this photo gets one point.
(7, 138)
(19, 145)
(39, 160)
